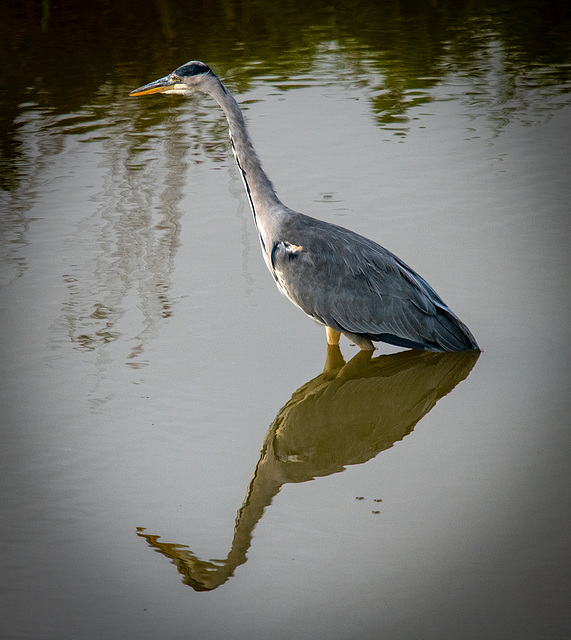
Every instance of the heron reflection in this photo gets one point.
(345, 416)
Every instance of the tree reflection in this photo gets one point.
(67, 52)
(65, 70)
(345, 416)
(137, 227)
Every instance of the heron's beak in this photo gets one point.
(168, 84)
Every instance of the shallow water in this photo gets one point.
(165, 409)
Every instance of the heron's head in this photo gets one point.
(182, 81)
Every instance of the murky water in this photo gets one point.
(175, 463)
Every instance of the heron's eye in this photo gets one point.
(175, 78)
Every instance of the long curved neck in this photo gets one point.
(263, 198)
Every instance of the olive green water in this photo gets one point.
(175, 463)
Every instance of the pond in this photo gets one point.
(176, 461)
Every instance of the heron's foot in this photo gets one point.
(332, 336)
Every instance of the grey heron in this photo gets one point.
(342, 280)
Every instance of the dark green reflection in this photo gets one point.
(347, 415)
(65, 57)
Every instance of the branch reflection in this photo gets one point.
(346, 415)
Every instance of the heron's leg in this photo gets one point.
(360, 341)
(332, 336)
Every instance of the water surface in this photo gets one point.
(175, 461)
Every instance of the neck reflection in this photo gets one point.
(347, 415)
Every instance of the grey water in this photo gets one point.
(176, 463)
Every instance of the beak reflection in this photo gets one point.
(345, 416)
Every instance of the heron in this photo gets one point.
(342, 280)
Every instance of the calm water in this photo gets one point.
(175, 463)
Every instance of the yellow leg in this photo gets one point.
(363, 343)
(332, 336)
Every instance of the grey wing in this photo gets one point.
(354, 285)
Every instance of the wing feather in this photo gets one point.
(352, 284)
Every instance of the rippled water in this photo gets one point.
(176, 463)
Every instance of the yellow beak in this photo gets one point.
(158, 86)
